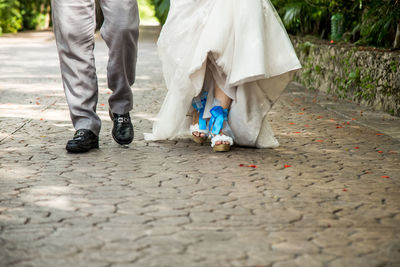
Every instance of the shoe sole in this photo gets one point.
(198, 139)
(121, 142)
(83, 150)
(222, 148)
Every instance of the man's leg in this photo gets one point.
(120, 31)
(74, 26)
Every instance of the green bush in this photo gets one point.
(162, 9)
(366, 22)
(10, 16)
(17, 15)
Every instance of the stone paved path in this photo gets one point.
(328, 196)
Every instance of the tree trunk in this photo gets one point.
(396, 44)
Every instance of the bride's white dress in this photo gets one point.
(243, 45)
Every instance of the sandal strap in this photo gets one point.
(199, 104)
(218, 116)
(221, 138)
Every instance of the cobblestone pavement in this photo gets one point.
(328, 196)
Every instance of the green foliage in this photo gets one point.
(35, 13)
(18, 15)
(146, 12)
(10, 16)
(367, 22)
(379, 22)
(162, 9)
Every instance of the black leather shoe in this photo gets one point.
(83, 141)
(122, 131)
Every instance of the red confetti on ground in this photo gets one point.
(37, 103)
(287, 166)
(300, 113)
(319, 140)
(348, 123)
(353, 119)
(344, 190)
(338, 127)
(385, 177)
(356, 147)
(380, 152)
(296, 132)
(250, 166)
(102, 105)
(292, 123)
(379, 134)
(41, 119)
(319, 117)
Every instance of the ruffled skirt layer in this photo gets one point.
(243, 46)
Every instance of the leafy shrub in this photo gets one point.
(162, 9)
(10, 16)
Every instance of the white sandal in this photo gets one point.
(219, 116)
(199, 104)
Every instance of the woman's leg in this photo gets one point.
(225, 102)
(222, 97)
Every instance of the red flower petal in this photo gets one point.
(385, 177)
(356, 147)
(344, 190)
(287, 166)
(319, 140)
(338, 127)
